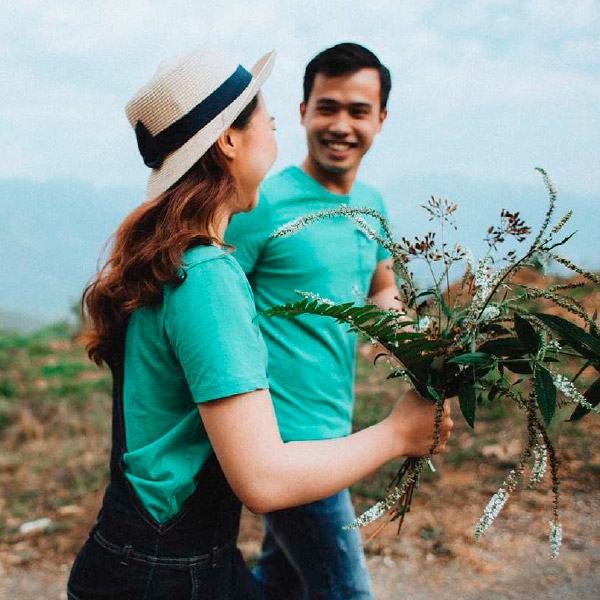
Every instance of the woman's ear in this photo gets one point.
(228, 143)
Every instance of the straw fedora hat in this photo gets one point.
(189, 102)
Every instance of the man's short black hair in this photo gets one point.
(346, 59)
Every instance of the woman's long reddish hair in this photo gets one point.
(148, 247)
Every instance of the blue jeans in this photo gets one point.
(306, 555)
(104, 571)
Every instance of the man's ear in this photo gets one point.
(302, 112)
(382, 117)
(228, 143)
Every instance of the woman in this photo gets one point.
(172, 314)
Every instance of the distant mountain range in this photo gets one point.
(479, 205)
(52, 232)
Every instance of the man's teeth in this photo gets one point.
(339, 146)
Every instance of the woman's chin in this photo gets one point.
(252, 202)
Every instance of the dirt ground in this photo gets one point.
(435, 556)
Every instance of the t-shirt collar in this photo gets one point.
(320, 189)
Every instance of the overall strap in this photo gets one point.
(209, 518)
(119, 447)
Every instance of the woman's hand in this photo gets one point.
(413, 423)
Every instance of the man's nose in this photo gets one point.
(340, 125)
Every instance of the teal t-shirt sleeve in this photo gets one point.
(382, 253)
(211, 325)
(249, 233)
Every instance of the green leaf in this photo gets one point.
(397, 373)
(496, 391)
(521, 367)
(592, 395)
(545, 392)
(473, 358)
(428, 292)
(505, 346)
(432, 391)
(526, 334)
(444, 306)
(576, 337)
(467, 402)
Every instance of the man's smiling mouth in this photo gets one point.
(337, 145)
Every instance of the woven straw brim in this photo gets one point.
(179, 162)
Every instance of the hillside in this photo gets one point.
(52, 236)
(16, 321)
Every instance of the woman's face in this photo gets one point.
(255, 155)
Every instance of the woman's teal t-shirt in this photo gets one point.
(201, 344)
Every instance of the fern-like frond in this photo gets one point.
(375, 323)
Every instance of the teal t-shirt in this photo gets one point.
(311, 358)
(201, 344)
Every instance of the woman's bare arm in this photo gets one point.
(268, 474)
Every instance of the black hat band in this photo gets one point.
(155, 148)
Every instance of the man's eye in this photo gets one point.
(326, 110)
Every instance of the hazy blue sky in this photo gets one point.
(485, 89)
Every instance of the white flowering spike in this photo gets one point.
(360, 221)
(564, 385)
(489, 313)
(554, 345)
(376, 511)
(423, 324)
(485, 279)
(555, 538)
(540, 463)
(470, 260)
(315, 297)
(484, 276)
(491, 511)
(385, 505)
(343, 210)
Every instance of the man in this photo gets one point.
(306, 553)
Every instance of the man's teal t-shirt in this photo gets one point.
(311, 358)
(202, 343)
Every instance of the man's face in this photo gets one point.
(341, 117)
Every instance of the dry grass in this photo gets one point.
(55, 435)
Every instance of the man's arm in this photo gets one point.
(384, 291)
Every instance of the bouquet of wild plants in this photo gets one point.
(477, 340)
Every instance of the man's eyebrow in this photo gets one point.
(354, 105)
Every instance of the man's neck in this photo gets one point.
(336, 183)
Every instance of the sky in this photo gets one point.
(481, 89)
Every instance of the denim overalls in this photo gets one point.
(193, 556)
